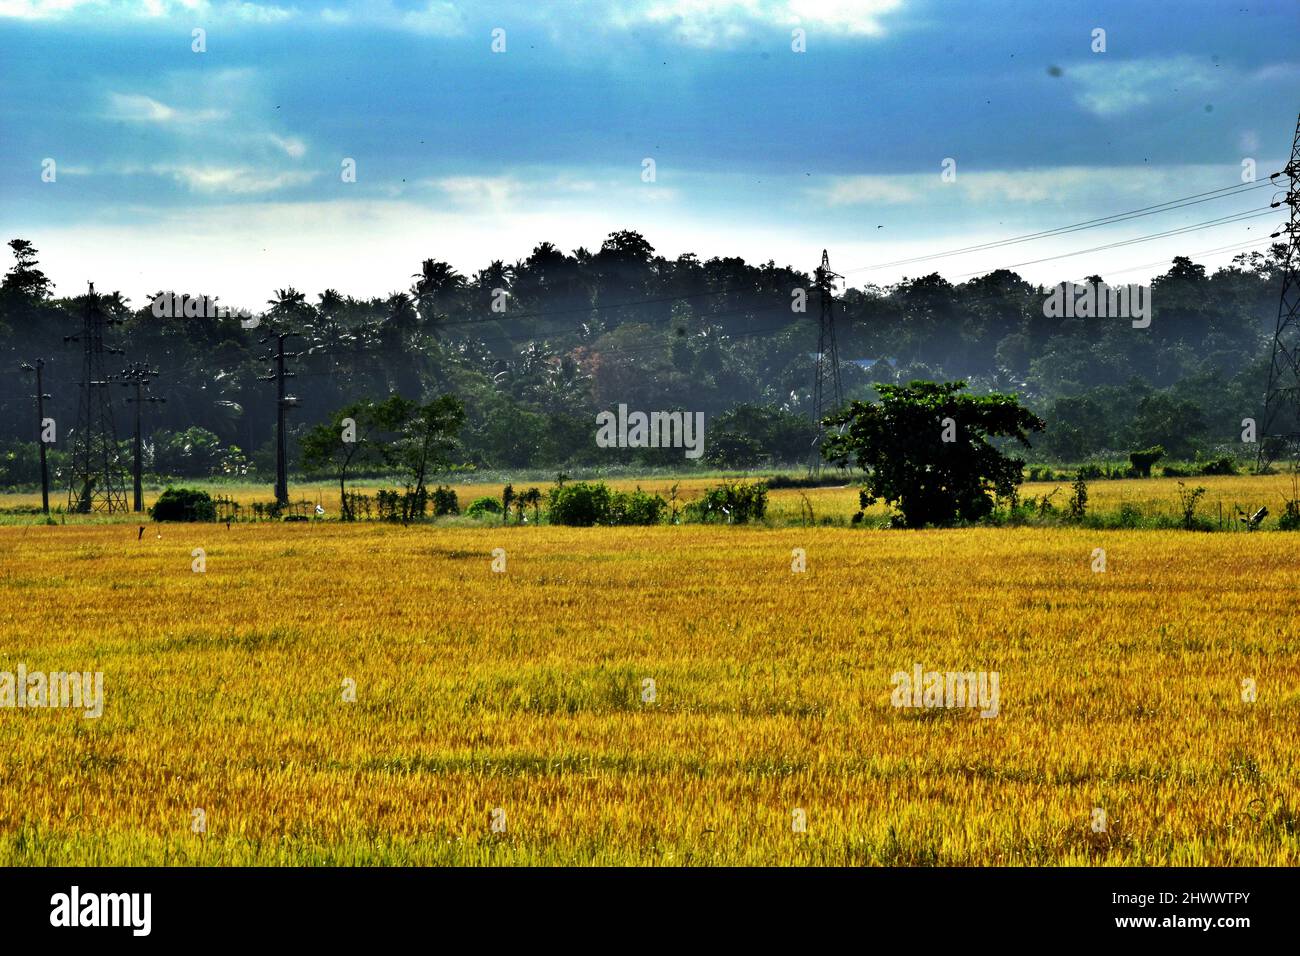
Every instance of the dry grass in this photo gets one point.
(523, 691)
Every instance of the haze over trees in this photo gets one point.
(574, 333)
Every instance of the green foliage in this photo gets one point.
(395, 433)
(1163, 420)
(731, 503)
(899, 442)
(192, 453)
(357, 435)
(581, 504)
(747, 435)
(427, 436)
(584, 504)
(636, 508)
(1079, 499)
(1289, 520)
(1188, 498)
(532, 497)
(1144, 458)
(1223, 465)
(183, 504)
(445, 502)
(480, 507)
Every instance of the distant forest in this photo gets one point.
(577, 333)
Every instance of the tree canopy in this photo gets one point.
(926, 450)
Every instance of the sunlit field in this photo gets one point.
(1152, 496)
(660, 696)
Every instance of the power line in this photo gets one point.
(1168, 206)
(1208, 224)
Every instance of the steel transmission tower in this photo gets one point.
(827, 366)
(1282, 401)
(283, 403)
(137, 376)
(96, 482)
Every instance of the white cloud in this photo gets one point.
(482, 192)
(527, 188)
(292, 145)
(260, 13)
(867, 190)
(703, 23)
(711, 23)
(1051, 184)
(437, 17)
(1114, 87)
(233, 180)
(1277, 73)
(147, 10)
(135, 107)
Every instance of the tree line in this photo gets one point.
(534, 349)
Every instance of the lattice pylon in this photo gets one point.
(97, 480)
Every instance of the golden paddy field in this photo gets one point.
(523, 693)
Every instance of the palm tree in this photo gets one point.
(435, 281)
(330, 303)
(288, 306)
(399, 312)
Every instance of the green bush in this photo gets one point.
(730, 502)
(592, 503)
(1144, 458)
(1223, 465)
(183, 504)
(636, 507)
(483, 506)
(581, 504)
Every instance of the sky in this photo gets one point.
(880, 130)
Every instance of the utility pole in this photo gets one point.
(40, 397)
(138, 374)
(283, 403)
(1282, 400)
(95, 480)
(828, 355)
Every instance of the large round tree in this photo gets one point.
(925, 447)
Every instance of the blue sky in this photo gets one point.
(219, 172)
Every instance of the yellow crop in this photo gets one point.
(525, 694)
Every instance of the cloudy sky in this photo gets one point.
(222, 171)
